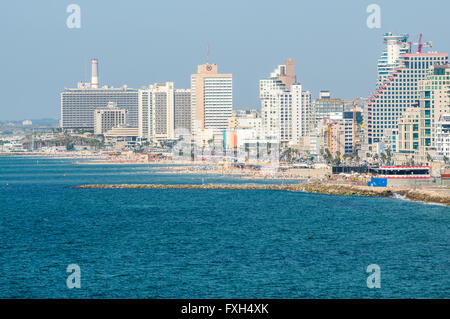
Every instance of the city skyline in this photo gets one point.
(62, 56)
(218, 155)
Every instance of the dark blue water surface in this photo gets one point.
(208, 243)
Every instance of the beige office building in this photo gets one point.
(211, 99)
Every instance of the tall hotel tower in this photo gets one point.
(211, 99)
(399, 72)
(78, 104)
(396, 45)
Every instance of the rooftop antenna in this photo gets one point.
(207, 52)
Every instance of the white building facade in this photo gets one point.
(285, 113)
(443, 135)
(161, 110)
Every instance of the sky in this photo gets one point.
(139, 43)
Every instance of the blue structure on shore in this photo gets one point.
(377, 182)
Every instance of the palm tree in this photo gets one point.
(212, 146)
(290, 154)
(388, 155)
(257, 151)
(383, 158)
(247, 150)
(326, 155)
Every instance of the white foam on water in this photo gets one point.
(403, 197)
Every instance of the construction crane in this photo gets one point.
(420, 45)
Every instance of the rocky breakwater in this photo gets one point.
(345, 189)
(183, 186)
(441, 196)
(427, 196)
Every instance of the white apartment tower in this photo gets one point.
(162, 109)
(285, 107)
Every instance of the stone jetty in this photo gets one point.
(427, 196)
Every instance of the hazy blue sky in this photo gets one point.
(142, 42)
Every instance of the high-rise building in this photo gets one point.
(434, 101)
(396, 46)
(303, 106)
(211, 99)
(145, 114)
(286, 113)
(162, 110)
(417, 129)
(324, 106)
(182, 110)
(109, 117)
(408, 134)
(78, 104)
(286, 73)
(397, 92)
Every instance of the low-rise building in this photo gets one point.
(245, 119)
(122, 134)
(109, 117)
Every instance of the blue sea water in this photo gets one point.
(151, 243)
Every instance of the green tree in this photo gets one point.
(388, 155)
(247, 150)
(70, 147)
(383, 158)
(326, 155)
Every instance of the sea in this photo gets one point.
(181, 243)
